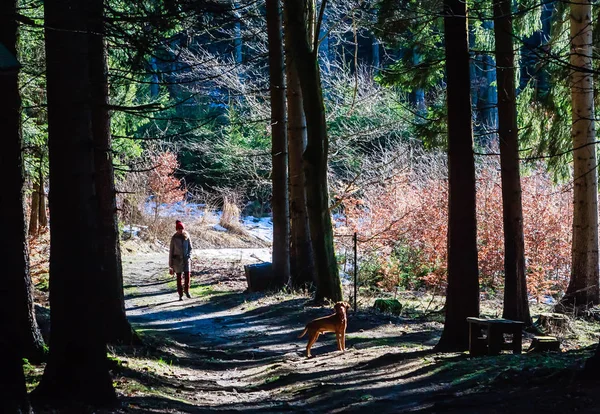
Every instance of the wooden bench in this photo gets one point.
(493, 343)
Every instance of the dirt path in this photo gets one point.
(229, 351)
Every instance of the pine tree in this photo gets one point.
(305, 56)
(462, 295)
(516, 303)
(302, 260)
(77, 368)
(20, 337)
(118, 328)
(279, 154)
(583, 288)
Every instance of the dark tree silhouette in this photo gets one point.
(20, 337)
(118, 328)
(279, 154)
(462, 296)
(583, 289)
(77, 368)
(302, 260)
(305, 57)
(516, 303)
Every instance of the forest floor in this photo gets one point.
(226, 350)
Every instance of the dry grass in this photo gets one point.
(230, 219)
(201, 231)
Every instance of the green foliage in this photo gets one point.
(369, 273)
(416, 29)
(410, 267)
(527, 17)
(546, 128)
(388, 306)
(32, 55)
(43, 283)
(410, 26)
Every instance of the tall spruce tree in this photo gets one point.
(77, 368)
(19, 336)
(117, 326)
(516, 303)
(301, 255)
(279, 151)
(305, 57)
(583, 288)
(462, 295)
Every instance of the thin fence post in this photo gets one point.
(355, 239)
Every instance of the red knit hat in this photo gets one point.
(179, 225)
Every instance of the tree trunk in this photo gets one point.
(77, 368)
(42, 216)
(13, 392)
(315, 156)
(303, 265)
(20, 335)
(516, 303)
(279, 154)
(462, 296)
(583, 286)
(592, 365)
(34, 210)
(118, 327)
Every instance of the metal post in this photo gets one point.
(355, 239)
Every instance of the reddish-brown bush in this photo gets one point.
(412, 214)
(162, 183)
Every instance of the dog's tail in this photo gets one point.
(303, 333)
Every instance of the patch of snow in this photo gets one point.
(133, 230)
(218, 227)
(242, 255)
(346, 279)
(180, 208)
(261, 228)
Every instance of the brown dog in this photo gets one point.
(334, 323)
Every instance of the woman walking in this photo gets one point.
(180, 253)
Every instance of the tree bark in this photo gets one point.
(34, 210)
(516, 303)
(20, 335)
(279, 154)
(592, 365)
(583, 286)
(315, 155)
(302, 260)
(462, 296)
(118, 329)
(42, 216)
(77, 368)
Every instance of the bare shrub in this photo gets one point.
(402, 226)
(230, 218)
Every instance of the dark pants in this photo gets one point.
(185, 287)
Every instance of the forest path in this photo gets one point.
(234, 351)
(225, 350)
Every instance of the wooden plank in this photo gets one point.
(498, 321)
